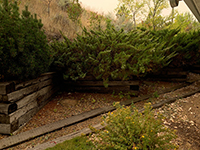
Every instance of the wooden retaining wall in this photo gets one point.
(90, 84)
(170, 74)
(195, 69)
(20, 101)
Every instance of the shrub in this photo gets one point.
(72, 7)
(111, 55)
(186, 45)
(24, 51)
(128, 129)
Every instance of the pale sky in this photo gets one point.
(109, 6)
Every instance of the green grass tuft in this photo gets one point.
(78, 143)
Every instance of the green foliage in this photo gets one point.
(95, 21)
(184, 21)
(110, 54)
(128, 129)
(186, 45)
(77, 143)
(154, 19)
(131, 9)
(24, 52)
(74, 10)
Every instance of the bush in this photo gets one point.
(128, 129)
(186, 45)
(111, 55)
(24, 51)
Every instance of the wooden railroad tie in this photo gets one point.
(20, 101)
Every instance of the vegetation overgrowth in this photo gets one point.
(126, 129)
(118, 55)
(186, 45)
(111, 55)
(24, 51)
(77, 143)
(100, 46)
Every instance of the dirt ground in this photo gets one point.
(182, 115)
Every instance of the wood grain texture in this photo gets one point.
(19, 94)
(42, 77)
(33, 97)
(6, 87)
(5, 128)
(44, 99)
(8, 108)
(12, 140)
(58, 140)
(7, 119)
(100, 83)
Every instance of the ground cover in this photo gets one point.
(183, 115)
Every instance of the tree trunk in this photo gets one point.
(134, 20)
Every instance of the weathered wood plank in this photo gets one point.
(100, 83)
(5, 128)
(58, 140)
(138, 99)
(177, 73)
(33, 97)
(6, 87)
(172, 79)
(6, 119)
(42, 77)
(8, 128)
(26, 117)
(101, 89)
(50, 127)
(17, 95)
(48, 73)
(8, 108)
(166, 78)
(42, 100)
(6, 142)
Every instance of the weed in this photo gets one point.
(78, 143)
(55, 110)
(93, 100)
(155, 94)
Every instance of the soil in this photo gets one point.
(182, 115)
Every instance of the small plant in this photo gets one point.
(55, 110)
(77, 143)
(128, 129)
(121, 95)
(93, 100)
(155, 94)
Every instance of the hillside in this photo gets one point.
(55, 17)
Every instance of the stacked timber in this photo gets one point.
(90, 84)
(195, 69)
(20, 101)
(170, 74)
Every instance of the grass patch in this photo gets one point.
(77, 143)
